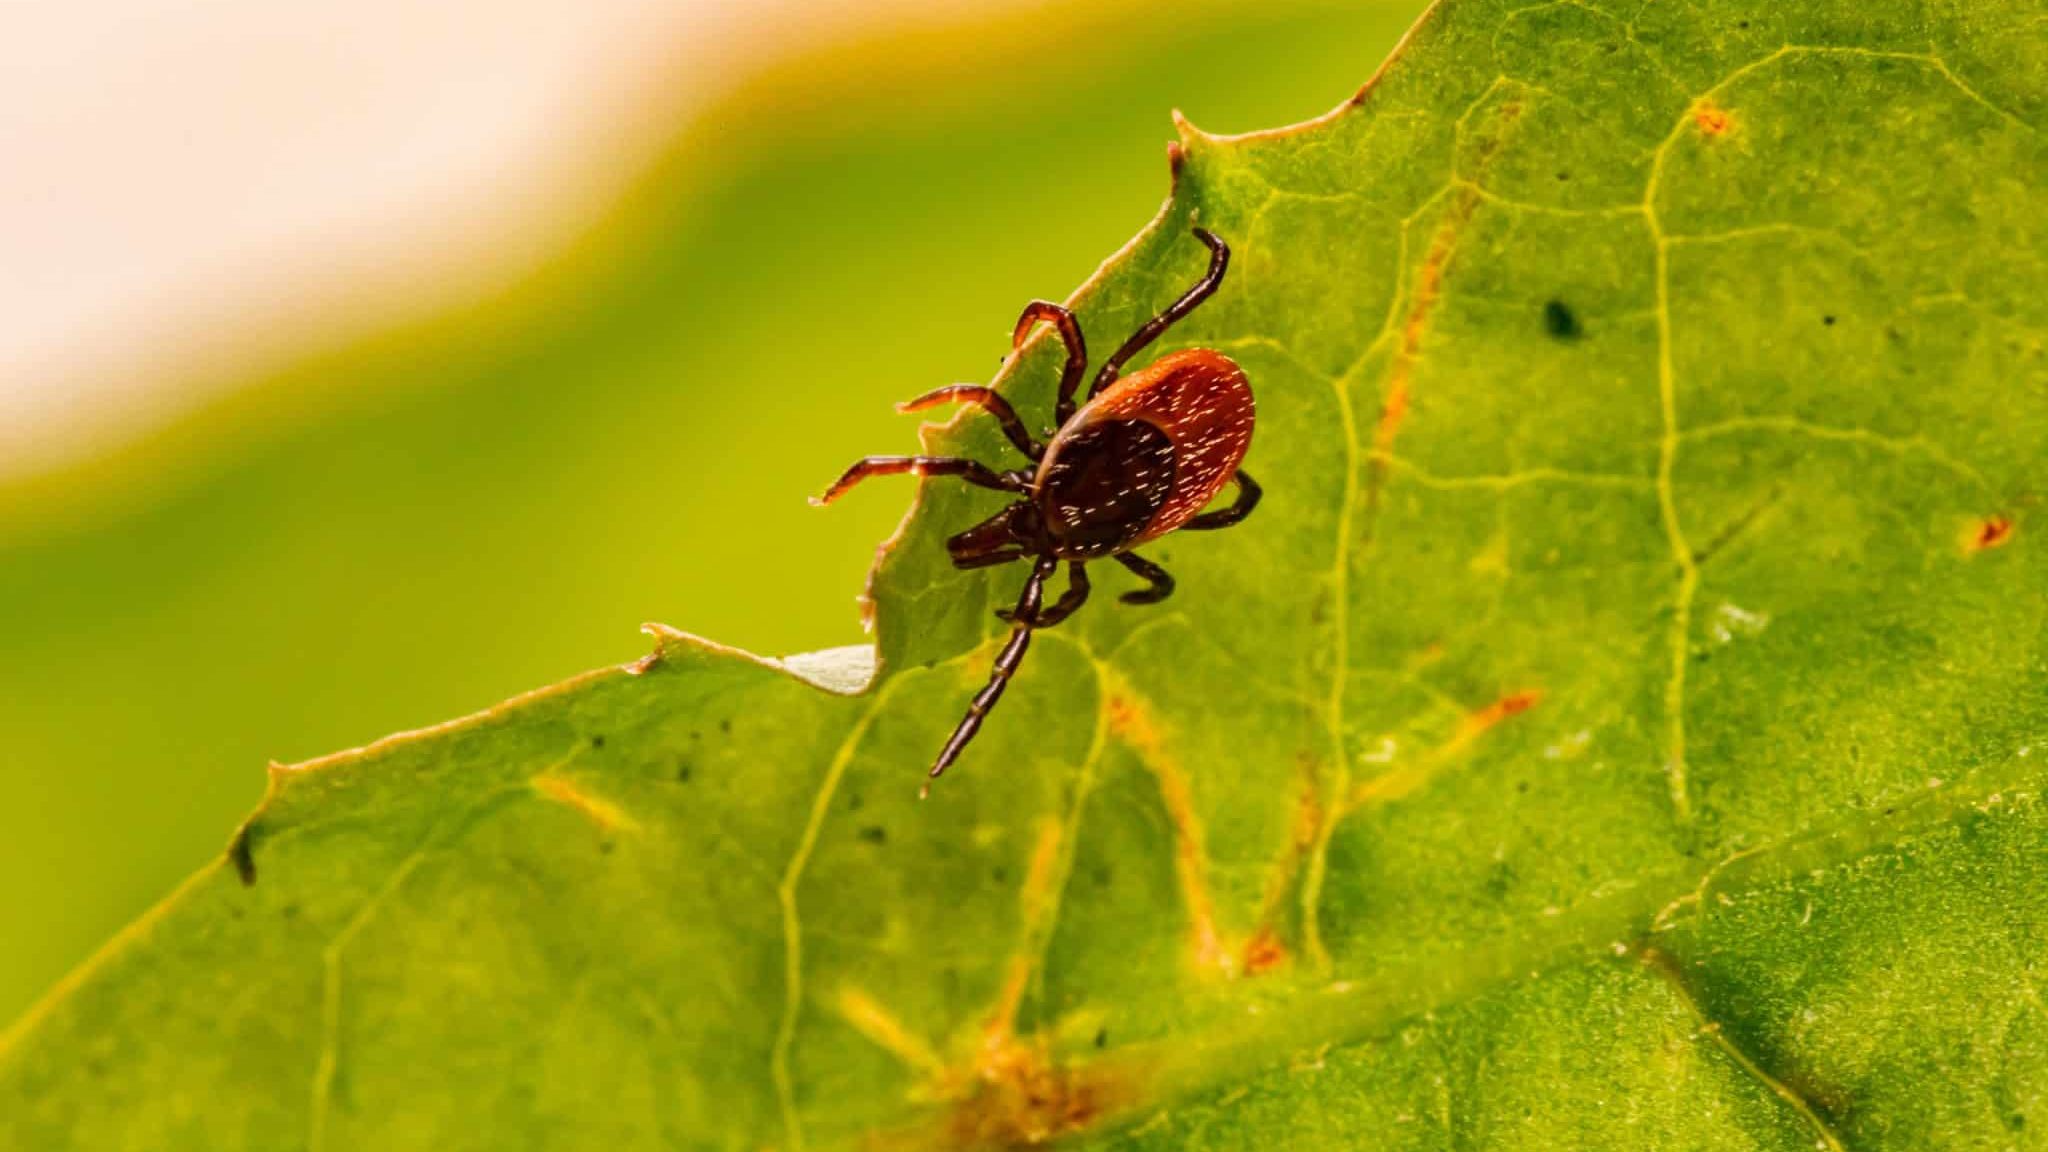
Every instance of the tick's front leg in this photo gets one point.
(972, 471)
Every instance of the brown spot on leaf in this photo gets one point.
(1022, 1098)
(1711, 119)
(1990, 533)
(1263, 952)
(1513, 704)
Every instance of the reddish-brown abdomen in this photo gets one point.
(1147, 454)
(1203, 403)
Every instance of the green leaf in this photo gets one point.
(1622, 725)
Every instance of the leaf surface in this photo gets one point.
(1622, 724)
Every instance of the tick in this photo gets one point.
(1141, 458)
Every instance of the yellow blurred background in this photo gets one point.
(361, 365)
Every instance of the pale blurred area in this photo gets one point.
(189, 185)
(363, 363)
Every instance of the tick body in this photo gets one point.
(1141, 458)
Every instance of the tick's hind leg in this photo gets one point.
(1025, 616)
(1161, 581)
(1248, 493)
(972, 471)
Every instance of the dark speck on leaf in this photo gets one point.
(875, 834)
(725, 726)
(604, 847)
(1101, 875)
(1560, 321)
(683, 772)
(1564, 175)
(853, 801)
(243, 855)
(1000, 875)
(1828, 320)
(597, 741)
(1499, 880)
(1102, 1037)
(1742, 23)
(1521, 785)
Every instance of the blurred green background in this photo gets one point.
(409, 528)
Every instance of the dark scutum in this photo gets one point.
(1104, 484)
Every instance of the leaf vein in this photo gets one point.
(792, 925)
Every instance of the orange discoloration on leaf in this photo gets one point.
(1301, 838)
(1404, 779)
(1263, 952)
(881, 1027)
(1711, 119)
(1429, 281)
(1991, 533)
(1513, 704)
(1007, 1093)
(1021, 1097)
(608, 816)
(1131, 722)
(1428, 287)
(1037, 899)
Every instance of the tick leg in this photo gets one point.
(989, 560)
(1219, 259)
(1075, 596)
(1025, 619)
(1161, 580)
(987, 398)
(1248, 493)
(1077, 351)
(972, 471)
